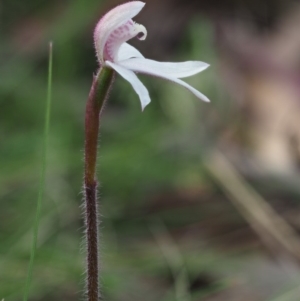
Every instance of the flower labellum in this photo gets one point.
(111, 34)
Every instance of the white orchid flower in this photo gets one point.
(111, 34)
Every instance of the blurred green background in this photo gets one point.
(190, 193)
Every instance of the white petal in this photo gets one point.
(113, 19)
(158, 73)
(178, 70)
(136, 84)
(127, 51)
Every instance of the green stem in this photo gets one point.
(95, 103)
(42, 179)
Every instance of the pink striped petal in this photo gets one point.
(111, 21)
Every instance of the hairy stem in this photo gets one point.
(98, 94)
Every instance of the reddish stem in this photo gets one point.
(97, 97)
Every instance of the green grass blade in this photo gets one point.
(42, 178)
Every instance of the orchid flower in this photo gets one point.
(114, 54)
(111, 34)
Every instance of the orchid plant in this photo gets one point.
(115, 55)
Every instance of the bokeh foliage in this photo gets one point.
(147, 161)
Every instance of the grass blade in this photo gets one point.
(42, 178)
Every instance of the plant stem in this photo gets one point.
(98, 94)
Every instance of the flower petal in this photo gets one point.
(136, 84)
(127, 51)
(113, 19)
(178, 70)
(130, 64)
